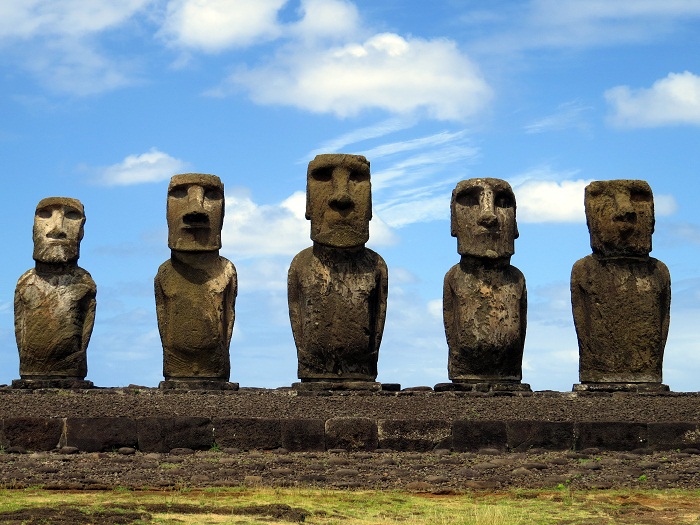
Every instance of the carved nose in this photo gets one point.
(625, 216)
(487, 219)
(56, 233)
(341, 201)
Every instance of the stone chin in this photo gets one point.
(341, 236)
(486, 250)
(55, 254)
(188, 240)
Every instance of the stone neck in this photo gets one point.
(621, 258)
(468, 262)
(201, 260)
(54, 268)
(325, 252)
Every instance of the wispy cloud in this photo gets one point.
(568, 115)
(152, 166)
(673, 100)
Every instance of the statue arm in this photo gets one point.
(230, 305)
(523, 315)
(293, 300)
(89, 305)
(19, 317)
(160, 307)
(577, 296)
(665, 303)
(447, 307)
(381, 299)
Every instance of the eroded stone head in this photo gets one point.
(58, 230)
(339, 200)
(620, 217)
(195, 212)
(483, 218)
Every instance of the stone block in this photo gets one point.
(414, 435)
(673, 435)
(610, 435)
(248, 433)
(31, 433)
(550, 435)
(303, 435)
(162, 434)
(470, 436)
(352, 433)
(100, 434)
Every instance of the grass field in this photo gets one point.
(335, 507)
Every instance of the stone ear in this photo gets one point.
(453, 219)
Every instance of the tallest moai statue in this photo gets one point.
(621, 297)
(337, 289)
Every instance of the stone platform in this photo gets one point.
(416, 419)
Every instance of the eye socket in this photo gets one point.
(504, 200)
(322, 174)
(213, 194)
(74, 215)
(178, 192)
(640, 195)
(468, 197)
(359, 176)
(44, 213)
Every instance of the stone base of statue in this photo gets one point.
(197, 384)
(364, 386)
(68, 383)
(651, 388)
(483, 386)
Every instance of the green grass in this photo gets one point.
(335, 507)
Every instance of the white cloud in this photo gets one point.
(387, 72)
(153, 166)
(672, 100)
(551, 201)
(216, 25)
(261, 230)
(327, 20)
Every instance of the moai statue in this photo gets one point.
(196, 288)
(621, 297)
(484, 296)
(337, 289)
(55, 301)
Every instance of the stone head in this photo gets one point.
(483, 218)
(620, 217)
(195, 212)
(58, 230)
(339, 200)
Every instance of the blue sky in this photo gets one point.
(105, 101)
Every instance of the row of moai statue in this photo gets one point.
(337, 290)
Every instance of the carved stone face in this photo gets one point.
(195, 212)
(58, 230)
(620, 217)
(483, 218)
(339, 200)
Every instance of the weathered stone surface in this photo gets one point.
(351, 433)
(55, 300)
(162, 434)
(672, 435)
(550, 435)
(471, 436)
(414, 435)
(620, 296)
(248, 433)
(610, 435)
(100, 434)
(302, 435)
(337, 288)
(196, 288)
(484, 297)
(31, 433)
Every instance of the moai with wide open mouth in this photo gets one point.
(196, 288)
(621, 297)
(55, 301)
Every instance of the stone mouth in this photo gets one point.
(196, 220)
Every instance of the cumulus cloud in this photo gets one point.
(153, 166)
(259, 230)
(672, 100)
(216, 25)
(387, 72)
